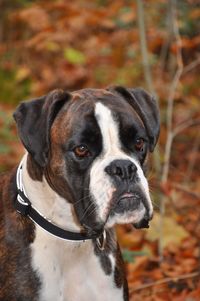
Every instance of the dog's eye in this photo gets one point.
(81, 151)
(139, 144)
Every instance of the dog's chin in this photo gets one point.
(131, 217)
(129, 210)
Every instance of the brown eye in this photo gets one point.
(81, 151)
(139, 144)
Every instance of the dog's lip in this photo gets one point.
(127, 201)
(126, 195)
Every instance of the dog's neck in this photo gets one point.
(48, 202)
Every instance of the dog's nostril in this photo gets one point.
(108, 170)
(132, 168)
(111, 170)
(119, 172)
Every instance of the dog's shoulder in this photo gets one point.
(11, 221)
(16, 234)
(8, 192)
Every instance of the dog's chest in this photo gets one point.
(70, 271)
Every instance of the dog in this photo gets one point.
(82, 173)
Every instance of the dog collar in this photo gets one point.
(24, 207)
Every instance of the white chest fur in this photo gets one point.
(70, 271)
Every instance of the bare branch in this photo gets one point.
(183, 126)
(167, 43)
(170, 101)
(191, 164)
(147, 71)
(165, 280)
(170, 108)
(145, 60)
(191, 66)
(186, 190)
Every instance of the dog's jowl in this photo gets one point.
(82, 173)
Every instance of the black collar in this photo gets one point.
(24, 207)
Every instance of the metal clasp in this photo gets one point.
(101, 241)
(22, 203)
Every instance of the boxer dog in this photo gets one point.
(83, 172)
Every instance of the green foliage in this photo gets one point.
(6, 135)
(129, 255)
(74, 56)
(189, 25)
(122, 21)
(101, 74)
(13, 90)
(5, 129)
(4, 149)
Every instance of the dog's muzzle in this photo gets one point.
(128, 195)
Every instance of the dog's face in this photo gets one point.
(91, 146)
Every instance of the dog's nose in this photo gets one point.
(123, 169)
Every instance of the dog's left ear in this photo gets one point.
(147, 108)
(34, 119)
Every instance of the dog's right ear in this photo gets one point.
(34, 119)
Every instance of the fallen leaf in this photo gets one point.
(172, 232)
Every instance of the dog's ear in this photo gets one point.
(146, 107)
(34, 119)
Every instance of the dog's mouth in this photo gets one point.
(129, 207)
(126, 202)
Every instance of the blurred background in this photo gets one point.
(153, 44)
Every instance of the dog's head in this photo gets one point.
(91, 145)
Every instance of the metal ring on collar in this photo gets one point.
(101, 241)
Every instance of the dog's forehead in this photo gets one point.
(83, 109)
(91, 94)
(85, 101)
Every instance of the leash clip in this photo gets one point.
(101, 241)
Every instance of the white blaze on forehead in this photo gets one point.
(108, 127)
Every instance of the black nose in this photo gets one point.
(123, 169)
